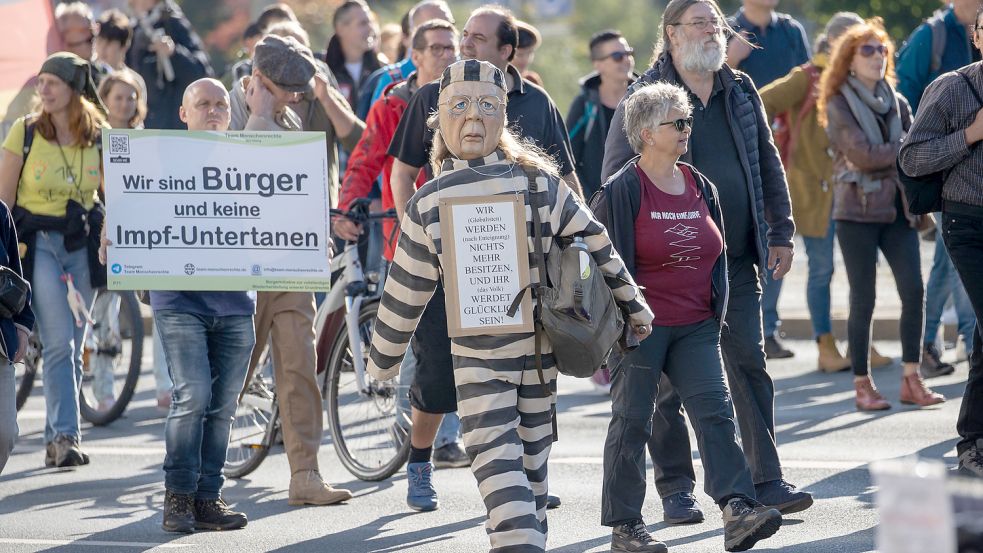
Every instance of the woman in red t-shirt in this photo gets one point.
(664, 219)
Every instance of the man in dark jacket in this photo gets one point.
(168, 54)
(731, 144)
(592, 110)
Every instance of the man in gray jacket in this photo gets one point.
(731, 144)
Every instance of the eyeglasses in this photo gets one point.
(487, 105)
(438, 50)
(868, 50)
(618, 57)
(702, 24)
(680, 124)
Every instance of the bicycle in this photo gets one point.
(111, 358)
(369, 433)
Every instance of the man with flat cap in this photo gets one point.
(283, 71)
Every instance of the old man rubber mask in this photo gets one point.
(471, 108)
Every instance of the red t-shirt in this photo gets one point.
(676, 246)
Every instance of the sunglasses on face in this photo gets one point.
(868, 50)
(618, 57)
(680, 124)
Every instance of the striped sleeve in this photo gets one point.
(570, 216)
(409, 286)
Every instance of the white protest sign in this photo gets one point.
(486, 257)
(216, 210)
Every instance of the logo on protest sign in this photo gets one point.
(117, 268)
(189, 269)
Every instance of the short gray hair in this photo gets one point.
(648, 106)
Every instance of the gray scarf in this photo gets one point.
(866, 107)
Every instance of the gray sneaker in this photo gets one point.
(64, 451)
(747, 522)
(451, 455)
(633, 537)
(971, 460)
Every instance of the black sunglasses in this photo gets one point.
(680, 124)
(618, 57)
(867, 50)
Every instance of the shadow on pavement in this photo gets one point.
(375, 539)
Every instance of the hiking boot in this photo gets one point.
(633, 537)
(783, 496)
(932, 365)
(64, 451)
(867, 396)
(774, 349)
(971, 460)
(915, 392)
(877, 360)
(214, 514)
(450, 456)
(179, 512)
(307, 488)
(681, 508)
(420, 495)
(553, 501)
(830, 359)
(747, 522)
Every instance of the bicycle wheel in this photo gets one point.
(254, 427)
(113, 350)
(368, 430)
(27, 371)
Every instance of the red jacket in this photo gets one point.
(369, 157)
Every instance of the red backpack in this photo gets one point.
(785, 128)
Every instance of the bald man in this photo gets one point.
(207, 338)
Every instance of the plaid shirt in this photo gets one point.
(937, 139)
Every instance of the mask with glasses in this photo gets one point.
(459, 105)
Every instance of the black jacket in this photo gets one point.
(772, 216)
(588, 126)
(189, 61)
(616, 206)
(10, 257)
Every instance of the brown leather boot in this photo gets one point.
(915, 392)
(868, 398)
(830, 360)
(877, 360)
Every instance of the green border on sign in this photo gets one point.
(219, 283)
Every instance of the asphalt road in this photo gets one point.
(115, 503)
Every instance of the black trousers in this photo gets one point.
(859, 243)
(962, 231)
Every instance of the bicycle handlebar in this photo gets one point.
(358, 212)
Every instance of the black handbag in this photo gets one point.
(13, 293)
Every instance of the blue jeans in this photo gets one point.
(208, 358)
(819, 252)
(944, 282)
(8, 411)
(769, 304)
(60, 336)
(450, 427)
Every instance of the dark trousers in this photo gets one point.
(962, 230)
(752, 390)
(688, 357)
(859, 243)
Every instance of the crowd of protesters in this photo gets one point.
(690, 178)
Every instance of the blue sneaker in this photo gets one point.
(681, 508)
(783, 496)
(420, 495)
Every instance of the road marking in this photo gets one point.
(14, 541)
(787, 463)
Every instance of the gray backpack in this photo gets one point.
(576, 308)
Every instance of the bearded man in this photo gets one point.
(731, 144)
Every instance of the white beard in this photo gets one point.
(695, 57)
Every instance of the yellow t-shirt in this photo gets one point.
(44, 188)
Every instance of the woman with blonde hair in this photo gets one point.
(506, 403)
(54, 190)
(126, 107)
(866, 119)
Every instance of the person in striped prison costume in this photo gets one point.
(506, 411)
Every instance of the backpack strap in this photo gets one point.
(937, 25)
(537, 233)
(30, 127)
